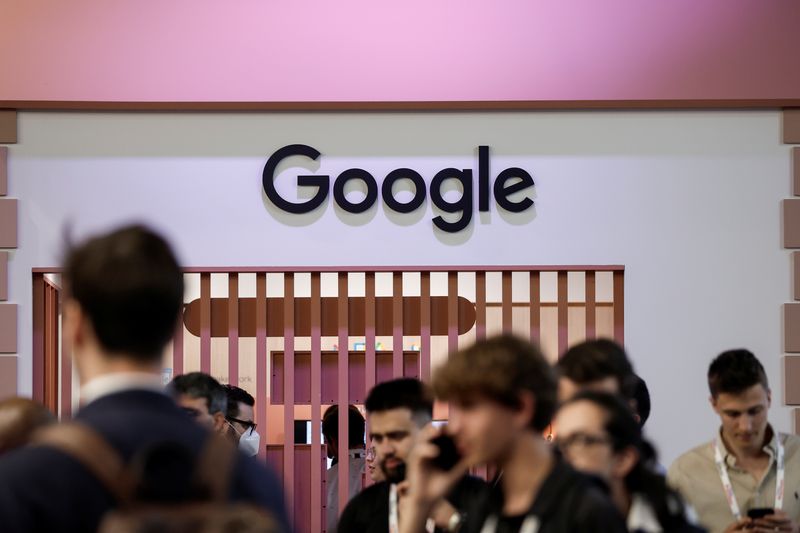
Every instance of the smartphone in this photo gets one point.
(760, 512)
(448, 453)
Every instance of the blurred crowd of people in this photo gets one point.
(563, 445)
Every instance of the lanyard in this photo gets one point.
(394, 524)
(530, 525)
(722, 469)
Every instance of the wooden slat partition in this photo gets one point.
(262, 377)
(288, 387)
(51, 347)
(507, 302)
(480, 305)
(66, 379)
(177, 349)
(344, 400)
(425, 325)
(233, 328)
(619, 307)
(452, 311)
(369, 330)
(591, 313)
(38, 341)
(316, 395)
(563, 312)
(534, 306)
(205, 322)
(307, 509)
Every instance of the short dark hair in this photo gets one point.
(641, 395)
(402, 393)
(200, 385)
(499, 369)
(355, 424)
(235, 396)
(735, 371)
(129, 285)
(596, 360)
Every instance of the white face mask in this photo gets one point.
(250, 442)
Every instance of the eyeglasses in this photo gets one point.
(581, 441)
(247, 424)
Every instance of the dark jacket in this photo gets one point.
(566, 502)
(45, 490)
(368, 512)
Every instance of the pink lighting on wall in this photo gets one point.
(449, 50)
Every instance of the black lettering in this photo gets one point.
(268, 180)
(419, 190)
(355, 174)
(483, 178)
(501, 192)
(462, 205)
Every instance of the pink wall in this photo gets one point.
(415, 50)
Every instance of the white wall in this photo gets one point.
(687, 201)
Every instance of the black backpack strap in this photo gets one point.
(91, 450)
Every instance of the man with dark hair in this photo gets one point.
(202, 398)
(123, 295)
(502, 395)
(240, 418)
(600, 365)
(397, 411)
(355, 457)
(748, 466)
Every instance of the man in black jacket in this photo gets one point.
(124, 292)
(502, 394)
(397, 411)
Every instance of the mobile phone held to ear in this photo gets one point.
(760, 512)
(448, 453)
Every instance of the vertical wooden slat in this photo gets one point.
(425, 325)
(38, 344)
(369, 341)
(563, 313)
(344, 400)
(288, 390)
(66, 367)
(507, 302)
(591, 316)
(205, 322)
(233, 328)
(316, 396)
(535, 305)
(480, 305)
(619, 307)
(452, 312)
(51, 361)
(397, 325)
(369, 330)
(177, 346)
(262, 400)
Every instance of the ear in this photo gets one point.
(73, 323)
(219, 423)
(526, 410)
(624, 461)
(713, 402)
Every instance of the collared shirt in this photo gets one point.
(118, 382)
(694, 474)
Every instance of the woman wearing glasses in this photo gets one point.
(598, 435)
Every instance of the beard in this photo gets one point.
(396, 473)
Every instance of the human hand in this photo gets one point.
(777, 521)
